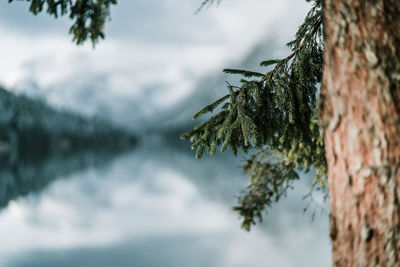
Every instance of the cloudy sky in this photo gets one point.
(154, 55)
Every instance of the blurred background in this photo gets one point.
(92, 170)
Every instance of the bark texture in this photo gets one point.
(360, 112)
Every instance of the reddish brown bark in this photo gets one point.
(360, 113)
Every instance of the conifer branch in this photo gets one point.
(275, 112)
(270, 178)
(89, 16)
(205, 3)
(316, 26)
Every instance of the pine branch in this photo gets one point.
(315, 28)
(89, 16)
(210, 108)
(269, 180)
(244, 73)
(205, 3)
(276, 112)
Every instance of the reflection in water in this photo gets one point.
(155, 206)
(26, 175)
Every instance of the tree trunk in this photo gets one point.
(360, 113)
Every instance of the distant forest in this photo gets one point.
(30, 126)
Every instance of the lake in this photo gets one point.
(154, 205)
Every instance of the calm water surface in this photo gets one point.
(153, 206)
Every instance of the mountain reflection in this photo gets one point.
(32, 173)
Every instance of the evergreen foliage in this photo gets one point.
(276, 113)
(31, 127)
(89, 16)
(270, 177)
